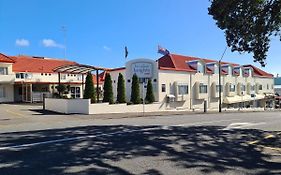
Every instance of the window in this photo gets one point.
(232, 88)
(143, 80)
(203, 89)
(79, 77)
(50, 74)
(163, 87)
(2, 92)
(272, 86)
(3, 71)
(28, 75)
(217, 88)
(63, 77)
(260, 87)
(129, 81)
(267, 86)
(24, 75)
(182, 89)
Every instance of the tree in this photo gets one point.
(121, 96)
(61, 88)
(108, 93)
(149, 93)
(135, 91)
(248, 24)
(89, 92)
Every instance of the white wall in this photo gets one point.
(9, 93)
(68, 106)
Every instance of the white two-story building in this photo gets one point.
(188, 82)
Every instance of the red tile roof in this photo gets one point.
(38, 65)
(258, 72)
(179, 63)
(5, 59)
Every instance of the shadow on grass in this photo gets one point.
(208, 149)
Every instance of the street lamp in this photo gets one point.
(220, 78)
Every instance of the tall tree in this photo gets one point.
(135, 91)
(89, 92)
(121, 96)
(107, 88)
(248, 24)
(149, 93)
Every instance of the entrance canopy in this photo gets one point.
(78, 69)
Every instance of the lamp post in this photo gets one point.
(220, 78)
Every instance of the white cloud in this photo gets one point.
(22, 42)
(51, 43)
(106, 48)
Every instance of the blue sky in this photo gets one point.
(98, 30)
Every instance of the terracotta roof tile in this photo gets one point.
(38, 65)
(179, 63)
(5, 59)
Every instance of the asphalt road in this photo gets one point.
(231, 143)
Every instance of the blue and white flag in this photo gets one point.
(163, 50)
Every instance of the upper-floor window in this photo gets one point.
(236, 71)
(197, 65)
(203, 89)
(63, 76)
(182, 89)
(260, 87)
(213, 67)
(231, 88)
(79, 77)
(3, 71)
(226, 69)
(267, 86)
(24, 75)
(246, 72)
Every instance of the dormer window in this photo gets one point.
(236, 71)
(197, 65)
(213, 67)
(246, 72)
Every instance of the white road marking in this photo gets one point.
(203, 123)
(241, 125)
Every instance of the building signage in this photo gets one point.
(142, 70)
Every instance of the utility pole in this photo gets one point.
(220, 78)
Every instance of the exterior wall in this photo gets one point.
(153, 75)
(171, 79)
(52, 78)
(9, 93)
(68, 106)
(105, 108)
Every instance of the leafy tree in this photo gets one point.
(61, 88)
(135, 91)
(248, 24)
(121, 96)
(149, 93)
(108, 93)
(89, 92)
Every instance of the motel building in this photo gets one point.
(179, 82)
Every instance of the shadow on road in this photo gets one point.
(208, 149)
